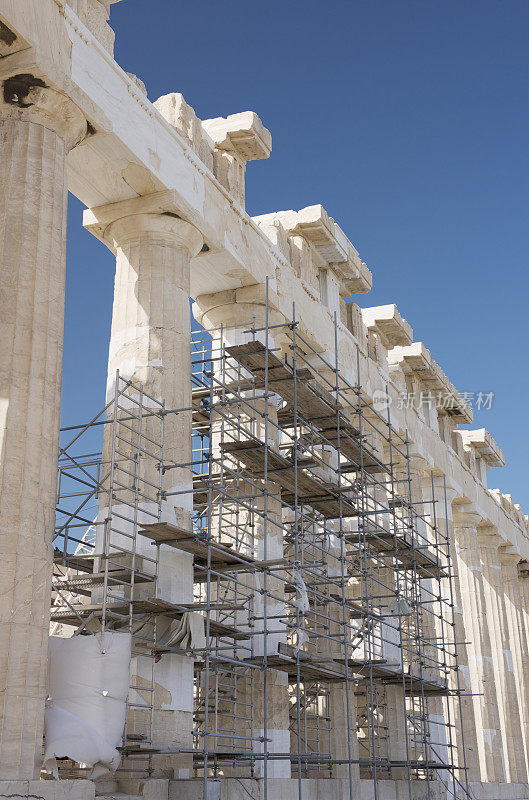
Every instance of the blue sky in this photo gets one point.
(408, 121)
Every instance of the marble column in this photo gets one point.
(394, 633)
(37, 128)
(523, 621)
(459, 712)
(150, 345)
(151, 320)
(342, 708)
(433, 630)
(228, 316)
(396, 715)
(496, 617)
(418, 652)
(344, 741)
(523, 587)
(509, 559)
(480, 710)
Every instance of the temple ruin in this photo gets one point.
(269, 566)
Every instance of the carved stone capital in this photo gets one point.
(509, 556)
(169, 227)
(234, 307)
(441, 488)
(26, 97)
(523, 569)
(419, 465)
(465, 516)
(489, 536)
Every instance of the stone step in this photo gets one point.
(118, 796)
(134, 789)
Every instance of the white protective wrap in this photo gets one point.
(88, 683)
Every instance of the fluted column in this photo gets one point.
(228, 316)
(432, 526)
(496, 617)
(523, 621)
(408, 477)
(151, 321)
(509, 560)
(463, 737)
(481, 710)
(37, 128)
(432, 501)
(523, 586)
(150, 345)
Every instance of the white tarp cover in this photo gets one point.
(302, 597)
(88, 683)
(188, 634)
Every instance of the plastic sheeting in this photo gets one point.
(88, 683)
(188, 634)
(302, 597)
(302, 604)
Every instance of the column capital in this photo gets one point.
(523, 569)
(508, 554)
(27, 98)
(419, 464)
(100, 219)
(465, 515)
(489, 536)
(234, 308)
(167, 226)
(441, 483)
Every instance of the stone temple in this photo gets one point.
(269, 566)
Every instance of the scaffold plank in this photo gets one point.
(410, 553)
(300, 385)
(281, 470)
(181, 539)
(312, 401)
(308, 666)
(83, 583)
(153, 605)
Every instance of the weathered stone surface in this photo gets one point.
(37, 125)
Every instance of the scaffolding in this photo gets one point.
(325, 588)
